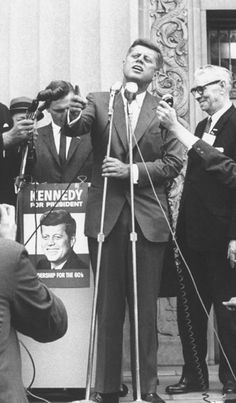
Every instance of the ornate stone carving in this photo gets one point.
(169, 32)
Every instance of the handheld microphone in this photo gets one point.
(168, 98)
(130, 92)
(115, 88)
(76, 90)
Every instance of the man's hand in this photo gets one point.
(114, 168)
(232, 254)
(77, 104)
(21, 131)
(7, 222)
(167, 115)
(231, 304)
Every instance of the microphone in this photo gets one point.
(130, 92)
(115, 88)
(168, 98)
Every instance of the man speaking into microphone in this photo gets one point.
(161, 156)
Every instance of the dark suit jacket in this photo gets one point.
(213, 160)
(208, 208)
(27, 306)
(73, 262)
(48, 168)
(161, 151)
(9, 161)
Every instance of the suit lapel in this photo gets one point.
(50, 143)
(146, 116)
(73, 147)
(221, 122)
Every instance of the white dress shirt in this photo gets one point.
(56, 135)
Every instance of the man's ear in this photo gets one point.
(72, 241)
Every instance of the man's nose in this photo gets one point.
(51, 241)
(197, 96)
(141, 59)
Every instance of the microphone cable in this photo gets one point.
(28, 392)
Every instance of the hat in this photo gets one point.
(21, 105)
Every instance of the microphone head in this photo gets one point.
(169, 99)
(32, 108)
(131, 90)
(116, 87)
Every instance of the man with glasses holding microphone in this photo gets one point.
(206, 234)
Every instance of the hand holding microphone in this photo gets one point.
(77, 104)
(21, 131)
(166, 113)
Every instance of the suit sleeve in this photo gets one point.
(166, 167)
(216, 162)
(36, 311)
(223, 168)
(84, 124)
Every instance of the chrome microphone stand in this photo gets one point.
(100, 239)
(133, 239)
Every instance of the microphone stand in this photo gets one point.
(28, 151)
(133, 239)
(100, 239)
(27, 148)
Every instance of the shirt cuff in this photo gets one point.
(135, 172)
(190, 142)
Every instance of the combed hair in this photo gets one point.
(217, 72)
(150, 45)
(56, 217)
(64, 85)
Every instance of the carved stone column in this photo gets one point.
(169, 31)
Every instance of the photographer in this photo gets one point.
(26, 306)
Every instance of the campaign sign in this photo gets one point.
(51, 221)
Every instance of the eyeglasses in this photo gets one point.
(201, 88)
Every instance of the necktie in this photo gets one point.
(62, 149)
(208, 125)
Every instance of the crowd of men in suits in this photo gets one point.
(73, 147)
